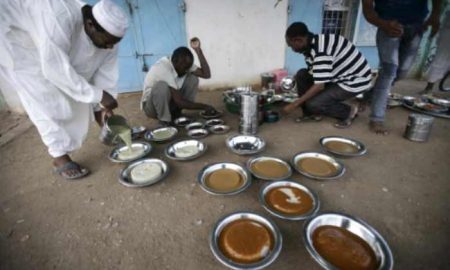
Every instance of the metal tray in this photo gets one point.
(269, 186)
(355, 226)
(361, 147)
(113, 156)
(172, 148)
(208, 169)
(224, 221)
(251, 161)
(340, 169)
(150, 135)
(125, 174)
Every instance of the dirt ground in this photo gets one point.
(400, 187)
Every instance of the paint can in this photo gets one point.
(418, 127)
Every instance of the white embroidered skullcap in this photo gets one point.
(111, 17)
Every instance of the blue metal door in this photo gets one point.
(157, 27)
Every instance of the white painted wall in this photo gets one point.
(240, 38)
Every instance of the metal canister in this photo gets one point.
(107, 135)
(267, 79)
(419, 127)
(249, 113)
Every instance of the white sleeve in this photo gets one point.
(107, 75)
(53, 42)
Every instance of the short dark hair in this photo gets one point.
(297, 29)
(180, 53)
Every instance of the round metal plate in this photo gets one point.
(171, 150)
(125, 174)
(114, 155)
(245, 144)
(247, 178)
(152, 135)
(224, 221)
(269, 186)
(254, 160)
(355, 226)
(340, 169)
(359, 145)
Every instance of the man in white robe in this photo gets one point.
(61, 58)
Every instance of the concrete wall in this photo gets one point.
(240, 38)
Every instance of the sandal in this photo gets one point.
(71, 166)
(349, 121)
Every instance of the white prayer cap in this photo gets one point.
(111, 17)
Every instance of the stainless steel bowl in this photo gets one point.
(245, 144)
(182, 121)
(171, 150)
(214, 122)
(114, 155)
(151, 134)
(198, 133)
(194, 125)
(287, 83)
(269, 186)
(359, 145)
(251, 161)
(208, 169)
(125, 174)
(340, 169)
(409, 100)
(355, 226)
(224, 221)
(205, 116)
(440, 101)
(219, 129)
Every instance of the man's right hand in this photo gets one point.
(210, 110)
(392, 28)
(108, 102)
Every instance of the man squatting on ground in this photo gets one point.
(336, 72)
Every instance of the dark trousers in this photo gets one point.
(328, 102)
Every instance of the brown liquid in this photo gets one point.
(224, 180)
(344, 249)
(245, 241)
(289, 200)
(270, 168)
(317, 166)
(341, 147)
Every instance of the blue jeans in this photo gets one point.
(396, 58)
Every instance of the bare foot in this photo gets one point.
(378, 128)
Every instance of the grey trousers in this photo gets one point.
(328, 102)
(160, 105)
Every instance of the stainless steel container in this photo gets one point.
(267, 80)
(249, 113)
(107, 136)
(419, 127)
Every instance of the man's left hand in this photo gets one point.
(434, 22)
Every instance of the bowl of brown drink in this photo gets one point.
(245, 240)
(289, 200)
(269, 168)
(224, 178)
(339, 241)
(317, 165)
(343, 146)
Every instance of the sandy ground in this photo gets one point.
(400, 187)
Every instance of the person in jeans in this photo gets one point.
(336, 72)
(400, 27)
(441, 61)
(172, 83)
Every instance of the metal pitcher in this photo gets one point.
(107, 135)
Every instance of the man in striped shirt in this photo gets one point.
(336, 72)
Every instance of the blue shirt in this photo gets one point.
(403, 11)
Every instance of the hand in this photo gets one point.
(435, 24)
(108, 102)
(289, 108)
(210, 110)
(392, 28)
(195, 43)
